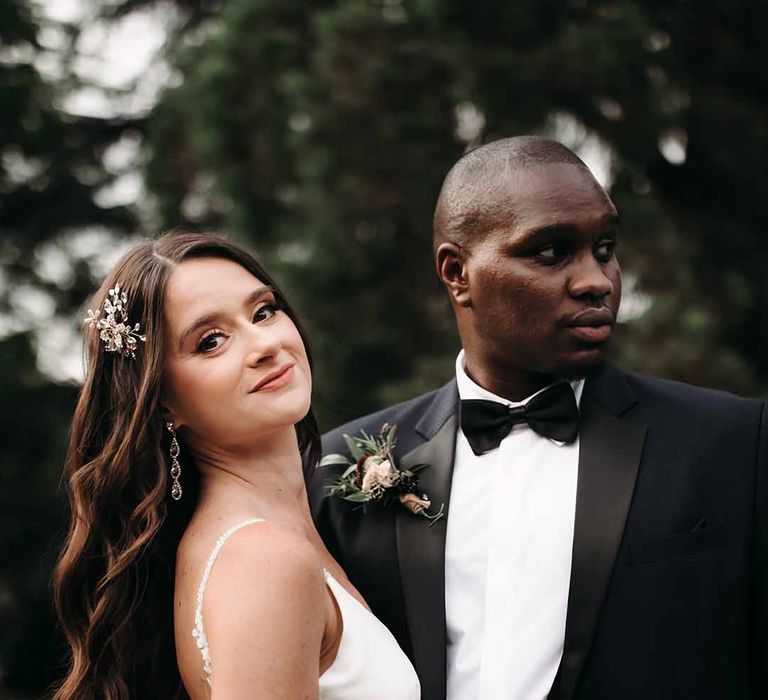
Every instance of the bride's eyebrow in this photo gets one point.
(211, 318)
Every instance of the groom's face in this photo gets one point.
(543, 289)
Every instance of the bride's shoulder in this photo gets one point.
(262, 601)
(262, 576)
(263, 555)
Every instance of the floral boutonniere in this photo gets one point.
(374, 475)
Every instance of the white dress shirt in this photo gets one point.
(508, 560)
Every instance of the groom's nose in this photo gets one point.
(589, 279)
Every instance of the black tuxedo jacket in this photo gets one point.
(669, 580)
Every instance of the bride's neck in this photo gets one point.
(268, 473)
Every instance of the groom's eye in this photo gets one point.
(552, 252)
(605, 250)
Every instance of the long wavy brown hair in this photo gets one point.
(113, 584)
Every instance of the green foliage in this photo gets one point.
(337, 134)
(340, 123)
(34, 419)
(50, 169)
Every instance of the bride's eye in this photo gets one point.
(210, 341)
(264, 312)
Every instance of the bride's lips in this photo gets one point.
(275, 380)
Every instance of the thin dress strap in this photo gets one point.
(199, 632)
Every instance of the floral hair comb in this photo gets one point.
(113, 326)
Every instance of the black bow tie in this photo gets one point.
(553, 413)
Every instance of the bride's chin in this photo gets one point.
(282, 417)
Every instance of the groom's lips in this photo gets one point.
(592, 325)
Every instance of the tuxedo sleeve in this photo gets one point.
(759, 617)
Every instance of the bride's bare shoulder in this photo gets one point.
(264, 610)
(266, 552)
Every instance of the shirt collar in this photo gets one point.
(469, 389)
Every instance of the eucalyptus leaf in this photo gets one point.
(358, 497)
(335, 458)
(354, 449)
(349, 471)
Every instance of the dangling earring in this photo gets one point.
(175, 466)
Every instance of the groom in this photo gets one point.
(606, 533)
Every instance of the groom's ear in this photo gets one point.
(451, 263)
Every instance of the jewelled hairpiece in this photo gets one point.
(113, 326)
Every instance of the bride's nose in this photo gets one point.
(263, 345)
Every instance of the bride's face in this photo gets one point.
(236, 368)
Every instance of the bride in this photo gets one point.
(192, 567)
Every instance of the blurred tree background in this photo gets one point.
(318, 133)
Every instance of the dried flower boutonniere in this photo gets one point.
(374, 476)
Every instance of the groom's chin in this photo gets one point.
(577, 371)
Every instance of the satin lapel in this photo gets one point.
(609, 456)
(421, 551)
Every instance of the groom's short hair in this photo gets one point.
(472, 200)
